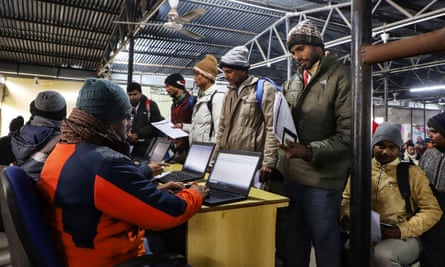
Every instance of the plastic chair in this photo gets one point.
(30, 240)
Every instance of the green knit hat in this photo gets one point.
(104, 99)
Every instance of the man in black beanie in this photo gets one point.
(432, 163)
(142, 134)
(181, 111)
(316, 168)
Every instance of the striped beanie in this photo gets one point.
(304, 32)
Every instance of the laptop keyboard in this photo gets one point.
(221, 194)
(178, 177)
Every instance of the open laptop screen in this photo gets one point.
(159, 150)
(235, 168)
(198, 157)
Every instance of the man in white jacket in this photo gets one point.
(207, 109)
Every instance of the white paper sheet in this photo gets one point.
(283, 123)
(166, 127)
(376, 234)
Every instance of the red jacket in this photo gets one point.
(98, 204)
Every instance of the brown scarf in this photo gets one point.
(82, 127)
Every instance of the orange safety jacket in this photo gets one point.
(98, 203)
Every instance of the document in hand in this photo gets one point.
(166, 127)
(376, 234)
(283, 123)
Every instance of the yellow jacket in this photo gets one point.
(387, 200)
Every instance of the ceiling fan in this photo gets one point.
(175, 21)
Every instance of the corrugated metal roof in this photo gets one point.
(84, 37)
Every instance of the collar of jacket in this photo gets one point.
(324, 63)
(250, 80)
(179, 99)
(393, 163)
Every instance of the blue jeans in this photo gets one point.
(313, 220)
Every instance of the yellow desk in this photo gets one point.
(240, 234)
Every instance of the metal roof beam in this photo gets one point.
(122, 41)
(60, 25)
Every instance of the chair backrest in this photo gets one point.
(30, 240)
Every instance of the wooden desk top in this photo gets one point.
(256, 197)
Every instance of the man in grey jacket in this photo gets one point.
(316, 168)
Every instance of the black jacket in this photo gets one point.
(142, 126)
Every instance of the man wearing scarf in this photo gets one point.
(97, 200)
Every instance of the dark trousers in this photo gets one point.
(168, 241)
(312, 220)
(433, 241)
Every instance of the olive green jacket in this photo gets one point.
(322, 115)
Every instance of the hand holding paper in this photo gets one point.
(168, 129)
(283, 123)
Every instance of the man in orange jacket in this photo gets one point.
(97, 200)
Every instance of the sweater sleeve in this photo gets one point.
(271, 143)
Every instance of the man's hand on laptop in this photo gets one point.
(172, 187)
(202, 189)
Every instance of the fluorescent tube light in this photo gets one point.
(429, 88)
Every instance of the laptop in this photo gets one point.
(231, 177)
(159, 150)
(195, 165)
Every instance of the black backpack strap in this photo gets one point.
(403, 182)
(209, 107)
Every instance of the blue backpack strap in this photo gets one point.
(192, 100)
(260, 87)
(259, 92)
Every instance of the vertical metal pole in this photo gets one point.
(424, 120)
(411, 124)
(361, 165)
(289, 59)
(131, 7)
(385, 94)
(130, 60)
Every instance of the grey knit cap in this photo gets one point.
(104, 99)
(236, 58)
(387, 132)
(304, 32)
(438, 122)
(49, 104)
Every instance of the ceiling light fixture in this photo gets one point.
(173, 3)
(428, 88)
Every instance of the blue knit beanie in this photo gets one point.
(104, 99)
(438, 122)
